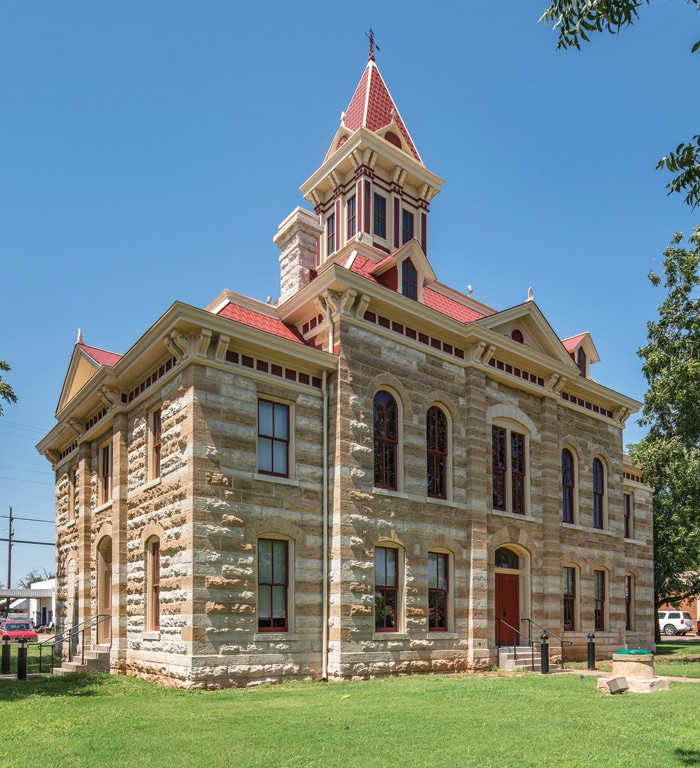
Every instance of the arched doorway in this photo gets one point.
(509, 570)
(104, 590)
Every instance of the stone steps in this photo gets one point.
(96, 660)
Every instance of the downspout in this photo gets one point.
(326, 575)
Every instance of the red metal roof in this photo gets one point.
(372, 107)
(260, 321)
(101, 356)
(571, 344)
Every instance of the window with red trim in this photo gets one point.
(407, 229)
(386, 441)
(386, 589)
(156, 438)
(106, 472)
(352, 216)
(508, 470)
(598, 493)
(627, 514)
(409, 280)
(438, 591)
(273, 438)
(569, 599)
(273, 585)
(567, 486)
(581, 361)
(436, 443)
(599, 600)
(330, 234)
(153, 598)
(379, 216)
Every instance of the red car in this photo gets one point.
(18, 629)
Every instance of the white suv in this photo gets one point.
(675, 622)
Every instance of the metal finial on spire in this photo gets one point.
(80, 337)
(372, 44)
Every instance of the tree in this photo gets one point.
(670, 452)
(34, 576)
(575, 20)
(6, 392)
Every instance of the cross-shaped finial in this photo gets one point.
(372, 44)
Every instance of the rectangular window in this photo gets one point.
(409, 280)
(330, 234)
(273, 583)
(73, 492)
(273, 438)
(598, 493)
(352, 217)
(508, 470)
(599, 600)
(156, 437)
(627, 511)
(106, 473)
(407, 233)
(569, 599)
(386, 589)
(153, 622)
(629, 613)
(438, 591)
(380, 216)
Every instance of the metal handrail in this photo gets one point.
(562, 640)
(70, 633)
(530, 643)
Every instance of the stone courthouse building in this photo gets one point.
(375, 474)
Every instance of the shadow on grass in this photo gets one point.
(77, 684)
(688, 756)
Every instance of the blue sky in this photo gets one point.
(148, 152)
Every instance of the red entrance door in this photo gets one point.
(507, 608)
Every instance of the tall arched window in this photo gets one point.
(567, 486)
(436, 445)
(273, 585)
(153, 585)
(598, 493)
(509, 470)
(386, 439)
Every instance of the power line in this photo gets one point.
(19, 469)
(33, 519)
(18, 480)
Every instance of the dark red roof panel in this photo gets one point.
(260, 321)
(101, 356)
(450, 307)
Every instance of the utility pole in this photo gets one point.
(9, 557)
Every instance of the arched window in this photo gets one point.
(567, 486)
(598, 493)
(569, 598)
(599, 606)
(386, 439)
(436, 445)
(438, 591)
(509, 470)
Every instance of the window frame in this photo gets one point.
(437, 593)
(274, 439)
(511, 466)
(570, 598)
(599, 600)
(379, 217)
(155, 443)
(391, 591)
(628, 515)
(330, 235)
(409, 280)
(598, 478)
(386, 446)
(352, 216)
(153, 575)
(106, 468)
(437, 457)
(273, 585)
(568, 487)
(629, 602)
(74, 491)
(407, 226)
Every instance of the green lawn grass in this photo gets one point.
(493, 720)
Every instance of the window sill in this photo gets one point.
(151, 636)
(276, 479)
(512, 515)
(390, 636)
(388, 492)
(274, 637)
(571, 526)
(436, 634)
(104, 506)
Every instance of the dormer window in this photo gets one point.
(409, 280)
(581, 361)
(380, 216)
(407, 233)
(330, 234)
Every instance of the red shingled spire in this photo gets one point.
(372, 107)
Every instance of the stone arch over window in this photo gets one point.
(275, 569)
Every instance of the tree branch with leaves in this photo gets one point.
(6, 392)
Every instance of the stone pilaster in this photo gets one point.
(119, 541)
(297, 238)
